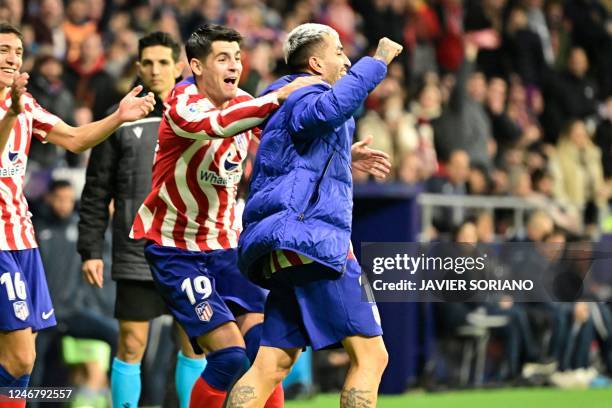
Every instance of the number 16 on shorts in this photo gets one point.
(201, 287)
(16, 292)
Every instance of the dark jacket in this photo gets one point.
(119, 169)
(464, 124)
(301, 195)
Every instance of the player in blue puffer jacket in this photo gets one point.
(297, 222)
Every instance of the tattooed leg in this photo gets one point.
(241, 395)
(355, 398)
(368, 361)
(270, 368)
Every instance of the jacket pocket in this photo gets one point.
(314, 197)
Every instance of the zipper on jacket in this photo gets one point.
(315, 193)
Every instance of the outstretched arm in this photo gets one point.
(330, 107)
(79, 139)
(189, 118)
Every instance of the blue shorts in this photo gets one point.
(198, 286)
(320, 313)
(24, 295)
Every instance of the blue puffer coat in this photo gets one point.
(301, 194)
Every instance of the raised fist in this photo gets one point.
(387, 50)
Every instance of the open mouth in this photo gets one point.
(10, 71)
(231, 80)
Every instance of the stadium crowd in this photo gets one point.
(490, 97)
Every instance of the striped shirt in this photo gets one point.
(283, 258)
(197, 168)
(16, 230)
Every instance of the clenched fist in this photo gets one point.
(387, 50)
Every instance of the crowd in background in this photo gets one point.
(490, 97)
(513, 95)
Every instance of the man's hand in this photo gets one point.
(374, 162)
(93, 272)
(387, 50)
(20, 81)
(132, 107)
(284, 92)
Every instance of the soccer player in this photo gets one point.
(190, 217)
(119, 169)
(25, 305)
(297, 222)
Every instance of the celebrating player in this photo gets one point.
(190, 217)
(119, 169)
(25, 305)
(297, 222)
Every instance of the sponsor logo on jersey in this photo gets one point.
(230, 165)
(17, 167)
(21, 310)
(213, 178)
(204, 311)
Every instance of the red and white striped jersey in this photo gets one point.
(16, 230)
(197, 168)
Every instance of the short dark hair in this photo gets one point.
(59, 184)
(7, 28)
(298, 60)
(200, 41)
(159, 38)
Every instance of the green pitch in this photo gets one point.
(511, 398)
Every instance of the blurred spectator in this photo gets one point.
(261, 68)
(385, 18)
(485, 227)
(536, 20)
(421, 30)
(77, 28)
(121, 53)
(506, 133)
(14, 10)
(47, 86)
(603, 137)
(411, 169)
(451, 180)
(464, 124)
(478, 181)
(523, 48)
(47, 25)
(450, 44)
(486, 16)
(591, 31)
(559, 28)
(207, 11)
(578, 172)
(523, 109)
(92, 87)
(453, 177)
(578, 92)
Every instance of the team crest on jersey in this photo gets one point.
(21, 310)
(204, 311)
(197, 107)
